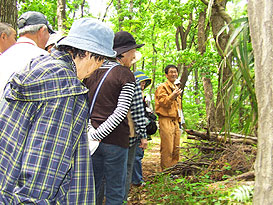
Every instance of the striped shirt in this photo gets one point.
(44, 151)
(112, 103)
(130, 97)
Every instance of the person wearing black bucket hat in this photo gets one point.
(44, 147)
(125, 45)
(125, 42)
(33, 32)
(109, 118)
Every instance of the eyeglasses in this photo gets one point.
(171, 72)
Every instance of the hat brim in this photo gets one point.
(50, 30)
(138, 56)
(124, 49)
(147, 82)
(87, 45)
(143, 77)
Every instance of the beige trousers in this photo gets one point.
(170, 140)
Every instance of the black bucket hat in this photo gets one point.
(124, 42)
(33, 18)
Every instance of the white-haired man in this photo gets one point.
(7, 37)
(33, 32)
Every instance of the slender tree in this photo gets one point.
(261, 29)
(219, 18)
(208, 88)
(61, 15)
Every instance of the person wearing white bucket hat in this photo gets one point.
(44, 148)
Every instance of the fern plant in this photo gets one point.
(243, 194)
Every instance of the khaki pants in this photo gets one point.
(170, 141)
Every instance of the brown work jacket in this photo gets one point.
(164, 105)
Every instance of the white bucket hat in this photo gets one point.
(91, 35)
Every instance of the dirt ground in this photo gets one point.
(150, 166)
(151, 160)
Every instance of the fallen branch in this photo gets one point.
(244, 141)
(202, 135)
(242, 179)
(235, 135)
(224, 139)
(248, 176)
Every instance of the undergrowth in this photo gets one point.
(166, 189)
(196, 188)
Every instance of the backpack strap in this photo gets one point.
(98, 88)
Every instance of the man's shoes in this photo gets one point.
(141, 184)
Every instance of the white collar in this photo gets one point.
(26, 40)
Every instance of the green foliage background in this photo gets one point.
(154, 23)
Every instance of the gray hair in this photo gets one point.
(5, 28)
(31, 29)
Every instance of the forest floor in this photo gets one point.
(191, 189)
(150, 166)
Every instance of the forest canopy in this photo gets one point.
(208, 41)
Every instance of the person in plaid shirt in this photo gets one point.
(45, 157)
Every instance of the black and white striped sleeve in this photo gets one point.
(123, 105)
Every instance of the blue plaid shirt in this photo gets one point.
(138, 115)
(44, 151)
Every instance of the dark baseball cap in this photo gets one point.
(124, 42)
(33, 18)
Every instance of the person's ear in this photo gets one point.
(3, 36)
(96, 61)
(42, 31)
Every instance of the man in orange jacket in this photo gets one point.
(168, 109)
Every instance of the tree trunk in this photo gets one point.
(261, 29)
(61, 15)
(196, 88)
(154, 64)
(82, 8)
(120, 19)
(181, 37)
(208, 89)
(8, 12)
(104, 16)
(218, 20)
(209, 99)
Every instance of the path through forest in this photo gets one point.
(150, 166)
(151, 160)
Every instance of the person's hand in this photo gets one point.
(143, 143)
(90, 131)
(176, 93)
